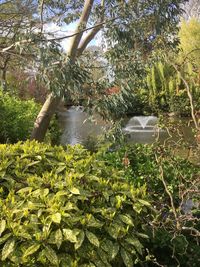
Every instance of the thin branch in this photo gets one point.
(41, 15)
(189, 96)
(186, 57)
(168, 193)
(29, 41)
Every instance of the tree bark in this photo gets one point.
(44, 117)
(49, 108)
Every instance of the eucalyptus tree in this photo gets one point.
(130, 30)
(16, 22)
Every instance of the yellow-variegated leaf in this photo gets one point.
(51, 255)
(74, 191)
(80, 239)
(126, 219)
(127, 259)
(30, 250)
(8, 248)
(69, 235)
(58, 238)
(144, 202)
(112, 248)
(92, 238)
(136, 243)
(56, 217)
(2, 226)
(4, 238)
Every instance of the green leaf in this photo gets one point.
(126, 219)
(32, 249)
(56, 217)
(58, 238)
(8, 248)
(88, 265)
(69, 235)
(111, 248)
(51, 255)
(74, 191)
(92, 238)
(126, 258)
(60, 169)
(4, 238)
(144, 202)
(103, 256)
(80, 239)
(2, 226)
(136, 243)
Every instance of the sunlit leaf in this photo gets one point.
(8, 248)
(30, 250)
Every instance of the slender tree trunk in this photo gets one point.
(4, 82)
(42, 122)
(44, 117)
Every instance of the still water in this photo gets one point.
(139, 129)
(77, 126)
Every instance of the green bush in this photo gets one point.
(174, 234)
(16, 118)
(68, 208)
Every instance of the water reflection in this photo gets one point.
(77, 126)
(140, 129)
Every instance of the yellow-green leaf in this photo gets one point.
(126, 219)
(69, 235)
(126, 256)
(56, 217)
(144, 202)
(58, 238)
(92, 238)
(111, 248)
(30, 250)
(80, 239)
(4, 238)
(74, 191)
(8, 248)
(51, 255)
(136, 243)
(2, 226)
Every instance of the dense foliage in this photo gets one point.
(173, 186)
(66, 208)
(16, 118)
(72, 208)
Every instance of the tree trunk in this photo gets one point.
(42, 122)
(44, 117)
(4, 81)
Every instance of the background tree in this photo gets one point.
(189, 35)
(17, 22)
(141, 25)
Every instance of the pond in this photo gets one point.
(77, 127)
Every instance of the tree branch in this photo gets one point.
(92, 33)
(81, 25)
(189, 96)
